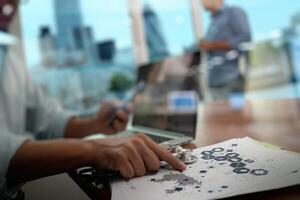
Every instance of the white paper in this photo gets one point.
(227, 169)
(277, 183)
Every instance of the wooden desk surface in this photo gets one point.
(272, 121)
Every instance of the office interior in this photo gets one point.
(113, 38)
(94, 55)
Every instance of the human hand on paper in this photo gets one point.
(132, 156)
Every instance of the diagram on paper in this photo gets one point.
(226, 168)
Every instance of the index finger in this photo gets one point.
(164, 155)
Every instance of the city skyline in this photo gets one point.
(112, 15)
(155, 36)
(68, 16)
(73, 43)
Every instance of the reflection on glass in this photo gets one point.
(274, 69)
(169, 99)
(228, 32)
(168, 27)
(79, 51)
(154, 35)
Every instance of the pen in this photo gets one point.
(127, 100)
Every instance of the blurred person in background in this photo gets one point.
(228, 31)
(31, 126)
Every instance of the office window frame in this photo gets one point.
(138, 29)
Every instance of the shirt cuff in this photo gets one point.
(9, 145)
(59, 124)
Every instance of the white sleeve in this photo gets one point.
(9, 144)
(45, 116)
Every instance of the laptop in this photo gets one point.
(165, 104)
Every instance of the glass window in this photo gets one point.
(79, 51)
(275, 50)
(168, 26)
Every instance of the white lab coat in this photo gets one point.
(25, 113)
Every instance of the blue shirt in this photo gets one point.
(229, 24)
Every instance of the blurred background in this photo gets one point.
(84, 51)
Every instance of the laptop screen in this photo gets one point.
(169, 98)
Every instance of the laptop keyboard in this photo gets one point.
(158, 139)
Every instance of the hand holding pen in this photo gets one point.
(126, 107)
(113, 117)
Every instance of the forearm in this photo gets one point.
(222, 45)
(39, 159)
(216, 45)
(81, 127)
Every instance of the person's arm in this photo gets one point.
(216, 45)
(48, 120)
(36, 159)
(132, 156)
(9, 144)
(240, 26)
(101, 123)
(241, 33)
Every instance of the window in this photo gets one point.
(168, 27)
(275, 52)
(79, 51)
(82, 52)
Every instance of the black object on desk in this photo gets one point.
(94, 183)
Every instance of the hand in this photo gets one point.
(132, 156)
(208, 46)
(109, 120)
(190, 146)
(215, 45)
(112, 118)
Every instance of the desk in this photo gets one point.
(272, 121)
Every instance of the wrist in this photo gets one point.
(94, 125)
(89, 149)
(81, 127)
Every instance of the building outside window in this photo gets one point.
(168, 27)
(84, 51)
(80, 52)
